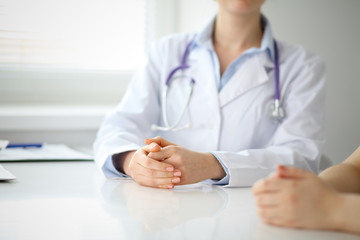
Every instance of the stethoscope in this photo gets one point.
(276, 112)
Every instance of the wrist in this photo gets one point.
(347, 212)
(217, 171)
(121, 162)
(336, 217)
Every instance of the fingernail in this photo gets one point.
(175, 180)
(177, 174)
(153, 144)
(281, 167)
(170, 186)
(170, 169)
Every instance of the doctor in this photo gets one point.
(228, 105)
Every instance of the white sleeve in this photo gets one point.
(129, 124)
(299, 138)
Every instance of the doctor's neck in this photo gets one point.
(238, 32)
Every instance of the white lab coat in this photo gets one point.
(232, 124)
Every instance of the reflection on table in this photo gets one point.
(72, 201)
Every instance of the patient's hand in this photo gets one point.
(292, 197)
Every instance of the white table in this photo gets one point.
(72, 200)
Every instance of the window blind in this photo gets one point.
(72, 34)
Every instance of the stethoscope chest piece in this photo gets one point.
(276, 112)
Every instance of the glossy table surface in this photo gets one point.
(72, 200)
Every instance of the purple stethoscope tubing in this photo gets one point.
(277, 74)
(183, 65)
(175, 127)
(276, 111)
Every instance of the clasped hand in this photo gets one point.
(292, 197)
(163, 164)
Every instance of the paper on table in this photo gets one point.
(46, 152)
(5, 174)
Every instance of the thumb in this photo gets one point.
(151, 147)
(159, 140)
(292, 172)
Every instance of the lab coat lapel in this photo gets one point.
(253, 73)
